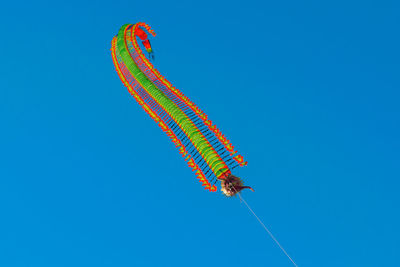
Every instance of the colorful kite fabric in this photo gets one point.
(207, 151)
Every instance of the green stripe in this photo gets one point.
(210, 156)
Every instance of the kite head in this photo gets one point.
(231, 185)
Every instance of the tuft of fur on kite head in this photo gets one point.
(231, 185)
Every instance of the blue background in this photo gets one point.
(307, 91)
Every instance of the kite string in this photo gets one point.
(266, 229)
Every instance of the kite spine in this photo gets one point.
(202, 145)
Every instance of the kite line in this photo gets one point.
(266, 229)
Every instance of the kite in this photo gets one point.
(205, 149)
(202, 145)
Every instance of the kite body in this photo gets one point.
(206, 150)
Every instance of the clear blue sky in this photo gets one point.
(307, 91)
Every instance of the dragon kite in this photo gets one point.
(205, 149)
